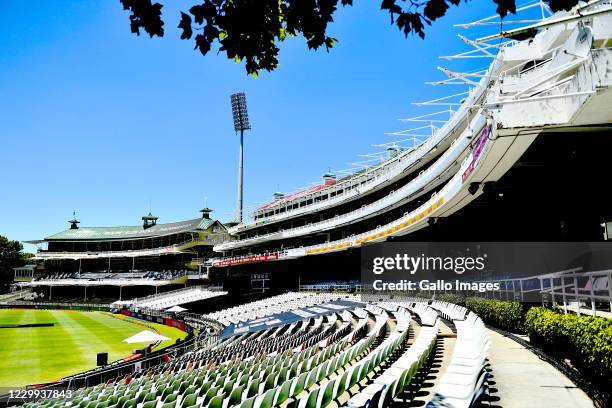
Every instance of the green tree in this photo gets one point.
(11, 256)
(250, 30)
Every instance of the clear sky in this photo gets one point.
(97, 120)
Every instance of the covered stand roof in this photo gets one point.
(130, 232)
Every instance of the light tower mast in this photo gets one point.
(241, 123)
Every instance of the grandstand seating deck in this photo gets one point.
(176, 297)
(370, 355)
(103, 275)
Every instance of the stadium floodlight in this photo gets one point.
(241, 123)
(240, 113)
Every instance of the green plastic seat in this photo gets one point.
(113, 399)
(328, 393)
(244, 379)
(311, 402)
(283, 392)
(170, 397)
(300, 383)
(343, 382)
(167, 391)
(228, 387)
(189, 400)
(131, 403)
(270, 380)
(130, 393)
(268, 399)
(216, 401)
(248, 403)
(311, 379)
(253, 388)
(391, 392)
(236, 396)
(322, 372)
(354, 377)
(205, 387)
(210, 394)
(120, 402)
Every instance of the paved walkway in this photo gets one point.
(523, 380)
(442, 356)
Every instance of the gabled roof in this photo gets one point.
(131, 232)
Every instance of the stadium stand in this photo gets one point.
(106, 276)
(273, 305)
(374, 353)
(175, 297)
(360, 357)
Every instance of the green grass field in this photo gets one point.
(42, 354)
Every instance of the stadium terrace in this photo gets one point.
(147, 256)
(273, 309)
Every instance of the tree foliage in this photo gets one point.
(10, 257)
(505, 315)
(250, 30)
(585, 340)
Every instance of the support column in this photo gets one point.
(563, 295)
(552, 291)
(592, 281)
(240, 168)
(610, 289)
(576, 294)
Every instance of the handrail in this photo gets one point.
(110, 254)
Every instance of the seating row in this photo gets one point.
(464, 380)
(393, 381)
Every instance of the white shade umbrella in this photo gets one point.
(176, 308)
(145, 336)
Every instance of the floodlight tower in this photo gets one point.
(241, 123)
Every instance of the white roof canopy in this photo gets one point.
(176, 309)
(145, 336)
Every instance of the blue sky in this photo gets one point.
(97, 120)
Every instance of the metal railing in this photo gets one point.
(41, 254)
(559, 289)
(57, 305)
